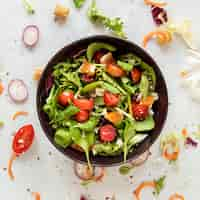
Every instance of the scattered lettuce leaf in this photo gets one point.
(160, 183)
(29, 8)
(113, 24)
(78, 3)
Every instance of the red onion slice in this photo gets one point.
(159, 15)
(17, 91)
(141, 159)
(30, 35)
(83, 172)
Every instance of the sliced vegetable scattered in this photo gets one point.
(1, 124)
(157, 185)
(61, 13)
(1, 88)
(18, 91)
(176, 196)
(19, 113)
(36, 195)
(115, 24)
(37, 74)
(30, 36)
(22, 141)
(159, 15)
(78, 3)
(29, 8)
(162, 36)
(155, 3)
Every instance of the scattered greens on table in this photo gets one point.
(79, 3)
(29, 8)
(113, 24)
(68, 76)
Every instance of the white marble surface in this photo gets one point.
(52, 175)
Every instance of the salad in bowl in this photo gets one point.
(100, 101)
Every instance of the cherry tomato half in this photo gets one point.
(98, 55)
(82, 116)
(114, 70)
(65, 97)
(84, 104)
(140, 111)
(111, 99)
(23, 139)
(136, 75)
(107, 133)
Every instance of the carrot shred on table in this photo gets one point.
(143, 185)
(171, 156)
(37, 74)
(10, 163)
(184, 132)
(36, 195)
(149, 100)
(155, 3)
(101, 176)
(176, 197)
(162, 36)
(1, 88)
(19, 113)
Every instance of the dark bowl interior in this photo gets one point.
(160, 107)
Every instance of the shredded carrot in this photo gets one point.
(1, 88)
(37, 74)
(184, 132)
(61, 11)
(155, 3)
(10, 163)
(149, 100)
(100, 177)
(115, 117)
(163, 37)
(36, 195)
(171, 156)
(19, 113)
(143, 185)
(177, 197)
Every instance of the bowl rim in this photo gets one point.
(114, 160)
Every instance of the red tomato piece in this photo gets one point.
(140, 111)
(23, 139)
(107, 133)
(65, 97)
(98, 55)
(136, 75)
(111, 99)
(87, 79)
(82, 116)
(114, 70)
(84, 104)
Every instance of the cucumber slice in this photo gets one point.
(146, 125)
(92, 48)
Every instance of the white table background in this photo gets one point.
(53, 175)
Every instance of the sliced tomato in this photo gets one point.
(98, 55)
(82, 116)
(111, 99)
(107, 133)
(23, 139)
(65, 97)
(84, 104)
(140, 111)
(114, 70)
(87, 79)
(136, 75)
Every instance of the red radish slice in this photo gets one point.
(17, 91)
(141, 159)
(30, 35)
